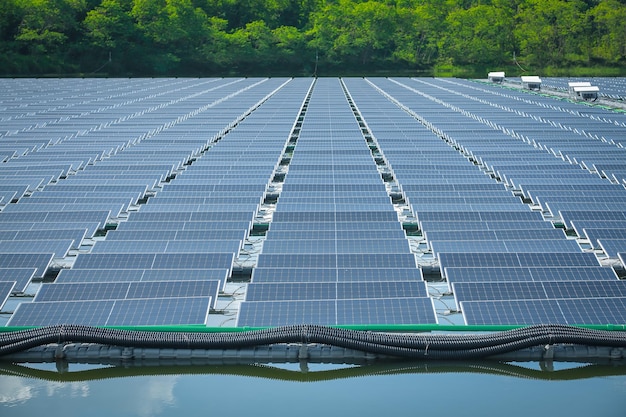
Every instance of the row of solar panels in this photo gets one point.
(332, 185)
(333, 274)
(147, 164)
(472, 241)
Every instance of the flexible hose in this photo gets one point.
(416, 346)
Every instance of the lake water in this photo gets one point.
(425, 389)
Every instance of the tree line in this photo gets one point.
(306, 37)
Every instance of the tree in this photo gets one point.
(418, 30)
(47, 24)
(549, 32)
(609, 36)
(355, 33)
(479, 35)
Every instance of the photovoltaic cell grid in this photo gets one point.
(406, 145)
(6, 287)
(148, 174)
(334, 312)
(547, 290)
(453, 219)
(336, 190)
(332, 290)
(126, 290)
(528, 312)
(127, 312)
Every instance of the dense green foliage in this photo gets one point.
(306, 37)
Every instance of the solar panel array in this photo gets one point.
(180, 169)
(333, 181)
(493, 246)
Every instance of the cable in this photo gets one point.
(414, 346)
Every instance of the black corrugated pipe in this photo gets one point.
(415, 346)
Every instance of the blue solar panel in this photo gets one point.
(516, 259)
(593, 234)
(167, 246)
(386, 311)
(481, 291)
(611, 247)
(340, 246)
(512, 312)
(283, 313)
(331, 312)
(192, 226)
(528, 312)
(569, 216)
(163, 311)
(126, 290)
(59, 248)
(73, 292)
(337, 261)
(174, 234)
(332, 290)
(92, 313)
(154, 261)
(20, 276)
(513, 234)
(483, 225)
(511, 246)
(26, 260)
(6, 287)
(488, 274)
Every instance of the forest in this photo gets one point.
(310, 37)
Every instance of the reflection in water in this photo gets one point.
(142, 390)
(14, 391)
(299, 372)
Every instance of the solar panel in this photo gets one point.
(6, 287)
(511, 246)
(488, 274)
(512, 312)
(483, 225)
(91, 313)
(481, 291)
(516, 259)
(337, 312)
(73, 292)
(528, 312)
(153, 261)
(594, 234)
(192, 226)
(283, 313)
(59, 248)
(126, 290)
(569, 216)
(386, 311)
(332, 290)
(178, 234)
(137, 312)
(340, 246)
(20, 276)
(167, 246)
(611, 247)
(39, 261)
